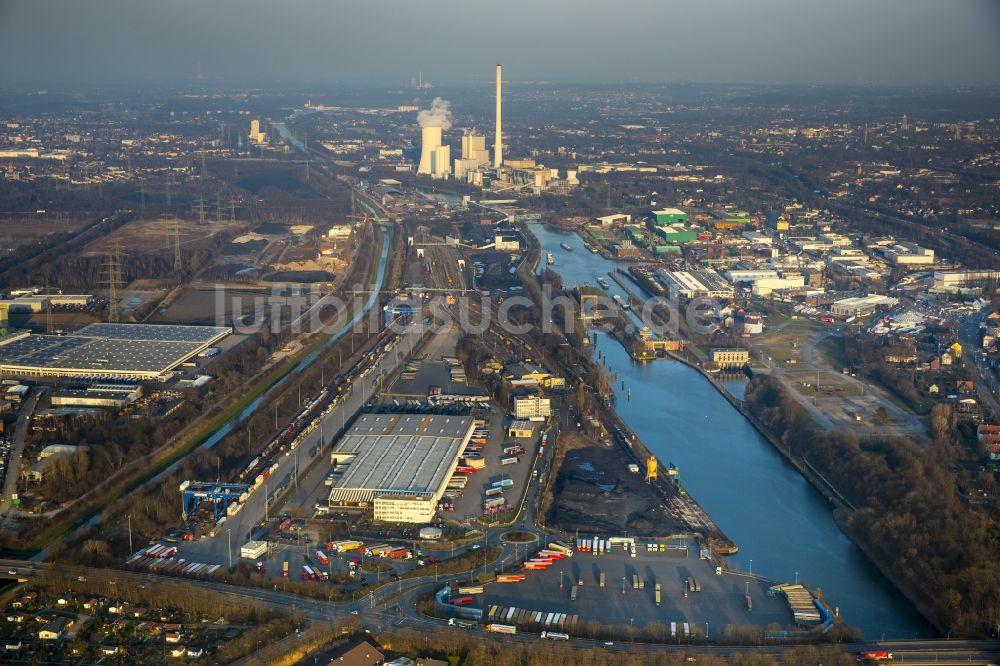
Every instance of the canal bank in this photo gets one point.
(783, 525)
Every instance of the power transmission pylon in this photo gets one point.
(113, 277)
(178, 265)
(48, 310)
(201, 210)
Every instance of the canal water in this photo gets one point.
(782, 525)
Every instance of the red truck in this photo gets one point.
(460, 601)
(875, 655)
(399, 554)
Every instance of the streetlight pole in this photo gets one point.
(229, 535)
(130, 534)
(751, 567)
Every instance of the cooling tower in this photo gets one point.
(431, 139)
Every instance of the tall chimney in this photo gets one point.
(497, 143)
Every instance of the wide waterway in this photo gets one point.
(780, 522)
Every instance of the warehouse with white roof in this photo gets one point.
(398, 465)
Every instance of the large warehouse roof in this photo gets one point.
(399, 453)
(135, 351)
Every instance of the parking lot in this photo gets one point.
(469, 505)
(721, 600)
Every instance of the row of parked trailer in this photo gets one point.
(160, 559)
(803, 605)
(520, 617)
(309, 418)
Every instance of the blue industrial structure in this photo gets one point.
(220, 494)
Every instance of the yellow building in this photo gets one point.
(404, 508)
(730, 358)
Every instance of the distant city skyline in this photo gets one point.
(907, 42)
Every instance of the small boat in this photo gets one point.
(604, 283)
(566, 246)
(549, 259)
(618, 299)
(593, 248)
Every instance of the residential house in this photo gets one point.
(362, 654)
(55, 628)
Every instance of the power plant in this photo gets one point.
(430, 142)
(435, 158)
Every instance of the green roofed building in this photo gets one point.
(670, 216)
(677, 234)
(636, 236)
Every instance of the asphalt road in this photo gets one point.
(391, 608)
(968, 333)
(14, 465)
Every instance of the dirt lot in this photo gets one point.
(199, 306)
(151, 235)
(595, 492)
(14, 231)
(807, 356)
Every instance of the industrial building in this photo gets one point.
(398, 464)
(134, 352)
(532, 407)
(861, 306)
(670, 216)
(905, 253)
(99, 395)
(256, 135)
(730, 358)
(520, 429)
(694, 282)
(960, 279)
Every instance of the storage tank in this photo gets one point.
(430, 533)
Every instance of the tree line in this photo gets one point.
(910, 517)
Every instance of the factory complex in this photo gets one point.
(136, 352)
(398, 464)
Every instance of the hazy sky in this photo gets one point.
(387, 42)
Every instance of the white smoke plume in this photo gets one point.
(439, 115)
